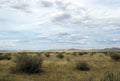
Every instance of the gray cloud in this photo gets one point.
(63, 37)
(46, 3)
(112, 28)
(65, 24)
(62, 18)
(16, 4)
(109, 41)
(23, 7)
(61, 5)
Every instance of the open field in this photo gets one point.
(57, 68)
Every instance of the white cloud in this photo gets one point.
(9, 43)
(113, 28)
(71, 23)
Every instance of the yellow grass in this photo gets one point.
(55, 69)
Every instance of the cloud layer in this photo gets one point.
(58, 24)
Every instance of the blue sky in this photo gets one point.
(59, 24)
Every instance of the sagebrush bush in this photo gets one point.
(27, 63)
(81, 53)
(111, 76)
(5, 57)
(47, 55)
(1, 54)
(60, 55)
(82, 65)
(74, 53)
(105, 52)
(115, 56)
(85, 52)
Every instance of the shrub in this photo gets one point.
(82, 65)
(47, 54)
(115, 57)
(5, 57)
(27, 63)
(74, 53)
(85, 52)
(61, 56)
(8, 54)
(111, 76)
(108, 53)
(1, 54)
(105, 52)
(81, 53)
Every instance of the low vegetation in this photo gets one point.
(111, 76)
(83, 66)
(60, 66)
(6, 77)
(47, 55)
(60, 56)
(5, 57)
(115, 56)
(27, 63)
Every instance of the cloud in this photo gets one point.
(112, 28)
(62, 18)
(63, 37)
(8, 43)
(23, 7)
(109, 40)
(62, 5)
(40, 24)
(115, 40)
(46, 3)
(108, 3)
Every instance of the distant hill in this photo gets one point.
(112, 49)
(59, 50)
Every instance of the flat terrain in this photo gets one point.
(56, 69)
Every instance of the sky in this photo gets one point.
(59, 24)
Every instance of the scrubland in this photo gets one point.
(60, 66)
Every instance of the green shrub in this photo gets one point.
(47, 54)
(108, 53)
(61, 56)
(81, 53)
(8, 54)
(1, 54)
(85, 52)
(27, 63)
(111, 76)
(83, 66)
(105, 52)
(115, 57)
(5, 57)
(74, 53)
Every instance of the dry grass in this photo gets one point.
(55, 69)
